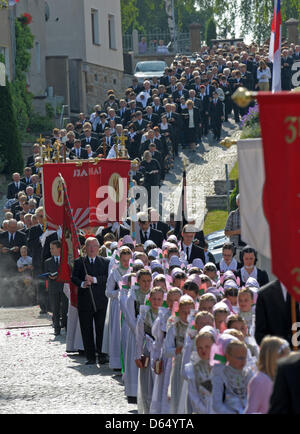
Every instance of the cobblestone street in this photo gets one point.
(38, 376)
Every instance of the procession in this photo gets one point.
(129, 285)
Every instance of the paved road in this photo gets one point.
(37, 376)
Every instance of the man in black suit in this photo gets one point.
(150, 116)
(58, 300)
(140, 123)
(123, 113)
(204, 110)
(216, 115)
(11, 241)
(14, 187)
(35, 247)
(91, 271)
(285, 398)
(88, 140)
(192, 252)
(136, 86)
(112, 116)
(180, 92)
(30, 194)
(27, 176)
(147, 233)
(78, 152)
(273, 312)
(156, 106)
(30, 159)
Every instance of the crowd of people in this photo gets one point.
(187, 334)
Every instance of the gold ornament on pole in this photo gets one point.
(57, 147)
(228, 142)
(242, 97)
(121, 148)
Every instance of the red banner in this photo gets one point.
(280, 125)
(88, 191)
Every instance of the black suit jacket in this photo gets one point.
(83, 154)
(12, 190)
(25, 181)
(35, 247)
(159, 111)
(51, 266)
(273, 314)
(154, 118)
(98, 270)
(262, 276)
(285, 398)
(163, 227)
(216, 111)
(19, 241)
(196, 252)
(155, 235)
(94, 144)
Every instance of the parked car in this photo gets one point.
(216, 240)
(148, 69)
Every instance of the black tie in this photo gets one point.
(11, 240)
(145, 236)
(187, 251)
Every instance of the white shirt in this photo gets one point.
(191, 119)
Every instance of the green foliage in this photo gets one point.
(22, 98)
(38, 123)
(149, 16)
(11, 159)
(210, 31)
(214, 221)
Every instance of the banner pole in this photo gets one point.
(294, 318)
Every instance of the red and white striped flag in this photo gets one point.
(275, 47)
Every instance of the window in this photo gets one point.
(95, 27)
(38, 56)
(112, 32)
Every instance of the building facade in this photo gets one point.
(84, 43)
(77, 54)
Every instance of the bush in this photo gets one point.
(10, 145)
(38, 123)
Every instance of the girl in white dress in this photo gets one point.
(113, 308)
(198, 373)
(173, 346)
(144, 342)
(160, 364)
(136, 298)
(230, 381)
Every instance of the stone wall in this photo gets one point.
(98, 80)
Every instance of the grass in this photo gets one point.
(214, 221)
(234, 174)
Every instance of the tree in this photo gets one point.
(11, 158)
(210, 31)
